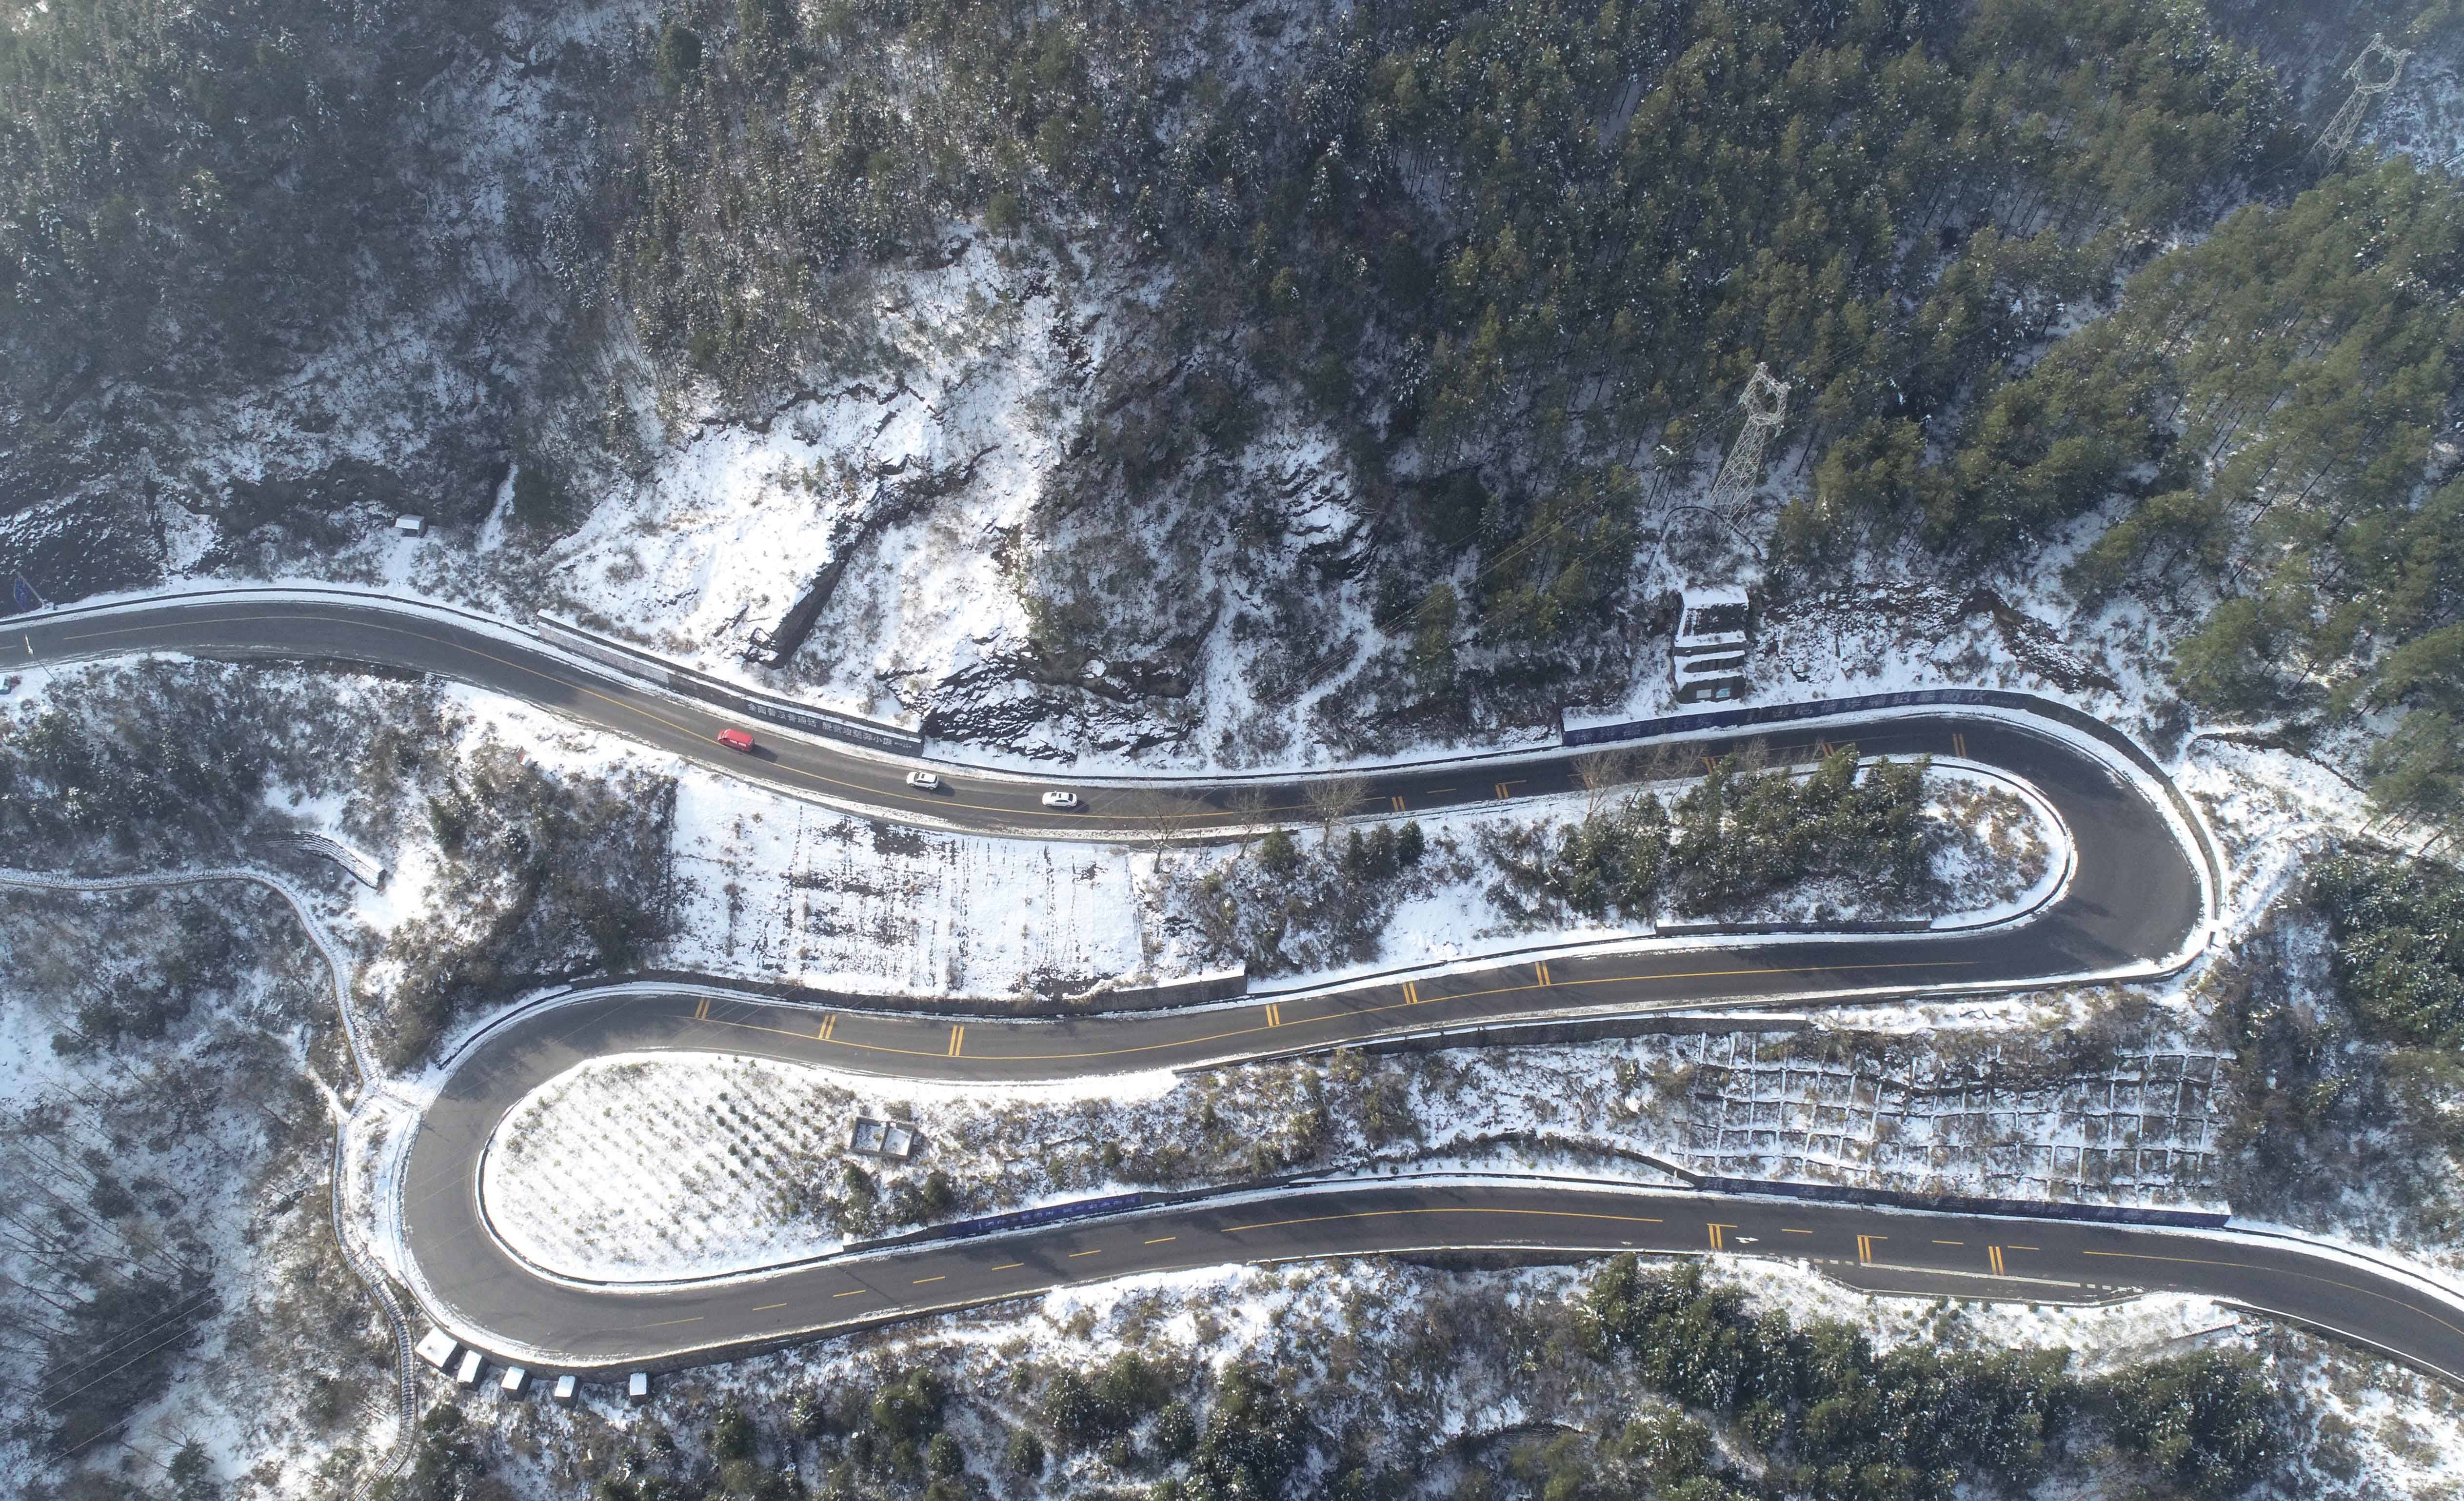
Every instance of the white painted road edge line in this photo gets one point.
(472, 1334)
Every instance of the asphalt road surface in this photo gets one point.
(487, 1289)
(2135, 898)
(358, 628)
(605, 1330)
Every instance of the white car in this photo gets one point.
(1060, 799)
(924, 781)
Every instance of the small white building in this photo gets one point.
(473, 1366)
(1707, 656)
(436, 1347)
(516, 1378)
(566, 1385)
(637, 1387)
(410, 525)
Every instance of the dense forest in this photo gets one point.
(1711, 1401)
(2022, 262)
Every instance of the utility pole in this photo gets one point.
(1766, 403)
(2338, 138)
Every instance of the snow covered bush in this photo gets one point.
(1731, 839)
(1283, 907)
(540, 877)
(153, 763)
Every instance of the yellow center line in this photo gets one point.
(1161, 1239)
(666, 1322)
(1074, 1255)
(1231, 1033)
(851, 1293)
(941, 1277)
(1381, 1214)
(1796, 1232)
(1950, 1243)
(1009, 1266)
(768, 1307)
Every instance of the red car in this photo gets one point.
(736, 740)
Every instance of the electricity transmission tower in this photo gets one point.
(2338, 138)
(1766, 403)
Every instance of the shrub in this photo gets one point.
(544, 878)
(1737, 837)
(1816, 1396)
(2209, 1423)
(1278, 853)
(1253, 1439)
(1122, 1393)
(2398, 926)
(539, 499)
(1024, 1458)
(679, 56)
(116, 1353)
(910, 1407)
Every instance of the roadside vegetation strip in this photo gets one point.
(371, 1090)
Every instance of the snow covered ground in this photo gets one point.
(2005, 855)
(725, 536)
(1527, 1108)
(193, 1157)
(667, 1165)
(782, 890)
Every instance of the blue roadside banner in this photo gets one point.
(22, 596)
(1019, 1219)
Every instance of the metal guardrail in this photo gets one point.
(1162, 995)
(725, 695)
(1686, 930)
(1028, 1219)
(1790, 713)
(1960, 1203)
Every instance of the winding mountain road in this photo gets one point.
(2138, 902)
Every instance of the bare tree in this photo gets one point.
(1248, 806)
(1667, 764)
(1600, 772)
(1164, 816)
(1334, 798)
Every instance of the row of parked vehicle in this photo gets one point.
(469, 1368)
(741, 743)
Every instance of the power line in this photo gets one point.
(176, 1266)
(185, 1314)
(122, 1366)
